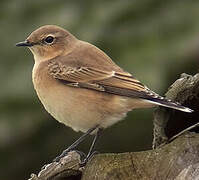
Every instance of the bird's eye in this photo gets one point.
(49, 39)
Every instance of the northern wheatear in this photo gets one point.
(80, 86)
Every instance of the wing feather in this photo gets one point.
(120, 83)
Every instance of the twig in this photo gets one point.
(182, 132)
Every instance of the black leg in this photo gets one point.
(92, 148)
(75, 144)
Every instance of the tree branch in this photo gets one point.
(176, 160)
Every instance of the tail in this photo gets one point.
(168, 103)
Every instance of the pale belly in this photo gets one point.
(78, 108)
(82, 109)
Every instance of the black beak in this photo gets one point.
(24, 43)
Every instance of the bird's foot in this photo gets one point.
(65, 152)
(88, 158)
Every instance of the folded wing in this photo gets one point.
(118, 83)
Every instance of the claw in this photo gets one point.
(85, 160)
(65, 152)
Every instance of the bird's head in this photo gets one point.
(48, 42)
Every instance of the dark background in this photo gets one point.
(155, 40)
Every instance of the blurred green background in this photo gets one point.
(155, 40)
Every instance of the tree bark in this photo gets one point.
(176, 160)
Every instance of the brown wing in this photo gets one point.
(120, 83)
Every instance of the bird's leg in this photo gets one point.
(75, 144)
(92, 148)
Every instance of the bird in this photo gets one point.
(82, 87)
